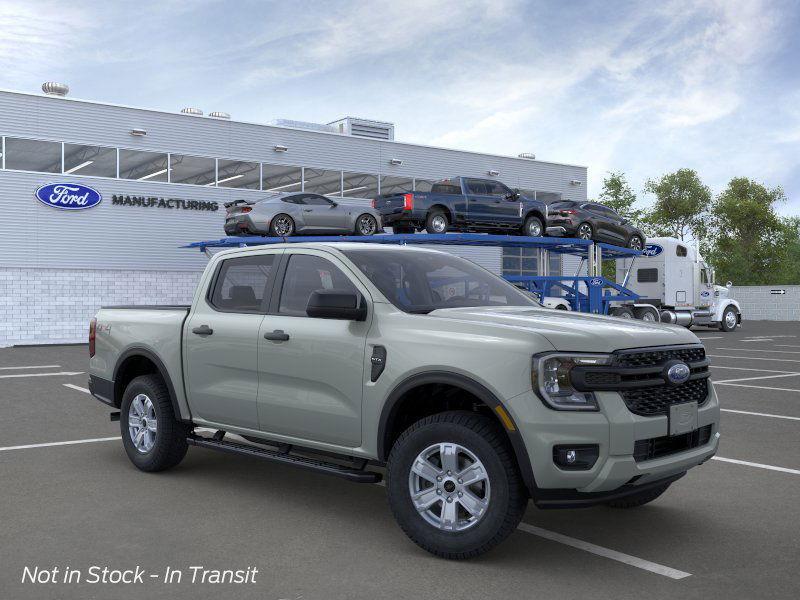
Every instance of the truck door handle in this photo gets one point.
(203, 330)
(276, 336)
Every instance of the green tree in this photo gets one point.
(681, 205)
(618, 195)
(749, 243)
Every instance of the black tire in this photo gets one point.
(584, 231)
(635, 242)
(623, 312)
(359, 230)
(433, 221)
(403, 229)
(508, 495)
(647, 314)
(561, 307)
(170, 438)
(533, 227)
(639, 499)
(723, 326)
(278, 219)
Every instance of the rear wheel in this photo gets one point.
(436, 222)
(635, 243)
(623, 312)
(646, 314)
(281, 226)
(533, 227)
(366, 224)
(454, 486)
(729, 320)
(584, 231)
(639, 499)
(153, 438)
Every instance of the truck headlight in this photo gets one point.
(550, 377)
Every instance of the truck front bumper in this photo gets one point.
(615, 431)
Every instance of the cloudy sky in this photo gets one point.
(641, 87)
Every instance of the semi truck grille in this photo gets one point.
(651, 401)
(664, 446)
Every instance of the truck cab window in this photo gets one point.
(495, 188)
(306, 274)
(446, 186)
(241, 284)
(477, 187)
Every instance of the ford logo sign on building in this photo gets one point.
(68, 196)
(652, 250)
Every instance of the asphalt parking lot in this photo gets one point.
(729, 529)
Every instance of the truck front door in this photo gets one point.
(705, 289)
(221, 341)
(311, 371)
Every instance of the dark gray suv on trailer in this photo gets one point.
(287, 214)
(593, 221)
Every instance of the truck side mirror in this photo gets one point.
(336, 304)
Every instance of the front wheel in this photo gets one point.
(729, 320)
(366, 224)
(533, 227)
(436, 222)
(453, 485)
(153, 438)
(584, 231)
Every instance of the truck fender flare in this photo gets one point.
(724, 306)
(535, 212)
(468, 385)
(162, 370)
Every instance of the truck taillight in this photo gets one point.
(373, 202)
(408, 201)
(246, 209)
(92, 335)
(568, 212)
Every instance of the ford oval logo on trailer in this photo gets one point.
(652, 250)
(596, 281)
(68, 196)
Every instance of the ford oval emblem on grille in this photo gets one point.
(678, 373)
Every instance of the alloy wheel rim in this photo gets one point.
(439, 223)
(534, 229)
(366, 225)
(584, 232)
(636, 243)
(142, 423)
(449, 487)
(730, 318)
(283, 226)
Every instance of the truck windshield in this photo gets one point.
(419, 282)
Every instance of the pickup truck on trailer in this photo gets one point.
(464, 204)
(342, 359)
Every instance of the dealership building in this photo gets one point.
(161, 180)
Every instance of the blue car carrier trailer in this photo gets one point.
(590, 293)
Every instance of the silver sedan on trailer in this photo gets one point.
(303, 213)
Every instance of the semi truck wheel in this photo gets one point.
(153, 438)
(647, 314)
(729, 320)
(623, 312)
(639, 499)
(454, 486)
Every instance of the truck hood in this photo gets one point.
(574, 332)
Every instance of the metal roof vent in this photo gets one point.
(192, 111)
(51, 88)
(527, 155)
(377, 130)
(219, 115)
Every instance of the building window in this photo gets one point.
(143, 166)
(520, 261)
(237, 174)
(96, 161)
(280, 178)
(396, 185)
(33, 155)
(321, 181)
(194, 170)
(359, 185)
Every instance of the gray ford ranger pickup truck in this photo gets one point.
(348, 358)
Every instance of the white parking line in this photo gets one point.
(754, 350)
(77, 388)
(758, 465)
(756, 414)
(758, 387)
(749, 369)
(787, 346)
(67, 443)
(40, 374)
(754, 358)
(31, 367)
(754, 378)
(758, 340)
(711, 337)
(634, 561)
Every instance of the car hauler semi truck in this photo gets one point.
(672, 277)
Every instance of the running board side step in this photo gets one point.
(312, 464)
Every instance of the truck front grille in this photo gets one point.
(651, 401)
(651, 358)
(664, 446)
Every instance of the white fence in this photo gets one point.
(768, 302)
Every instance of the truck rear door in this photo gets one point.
(221, 340)
(486, 203)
